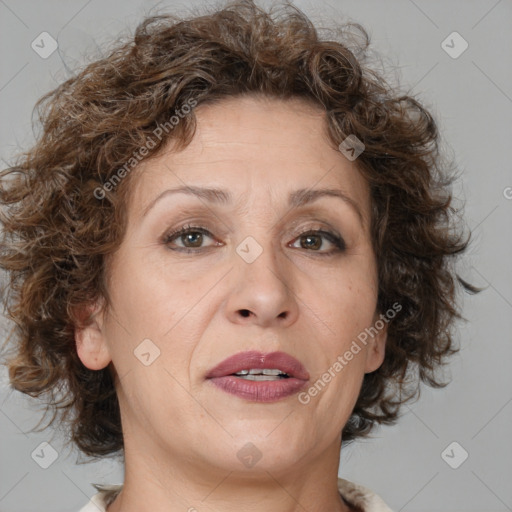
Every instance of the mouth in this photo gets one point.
(259, 377)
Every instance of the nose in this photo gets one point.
(262, 292)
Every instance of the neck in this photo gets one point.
(163, 484)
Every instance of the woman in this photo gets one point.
(228, 249)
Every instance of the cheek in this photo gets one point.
(151, 304)
(148, 300)
(346, 300)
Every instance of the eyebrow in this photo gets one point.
(296, 199)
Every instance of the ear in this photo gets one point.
(377, 343)
(91, 345)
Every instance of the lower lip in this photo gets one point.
(259, 391)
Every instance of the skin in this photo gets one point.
(182, 434)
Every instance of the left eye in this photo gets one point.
(314, 240)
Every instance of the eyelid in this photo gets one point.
(176, 233)
(327, 233)
(331, 236)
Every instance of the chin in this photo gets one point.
(252, 459)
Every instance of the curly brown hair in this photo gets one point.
(58, 230)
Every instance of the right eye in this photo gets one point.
(192, 237)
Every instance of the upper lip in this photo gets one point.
(257, 360)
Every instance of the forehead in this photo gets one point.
(259, 149)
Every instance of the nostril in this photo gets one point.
(245, 312)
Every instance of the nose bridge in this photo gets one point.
(262, 289)
(260, 260)
(259, 257)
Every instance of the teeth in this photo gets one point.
(264, 371)
(261, 374)
(260, 377)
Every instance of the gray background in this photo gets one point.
(471, 97)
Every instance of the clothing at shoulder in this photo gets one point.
(361, 497)
(101, 500)
(354, 494)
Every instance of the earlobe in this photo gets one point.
(377, 348)
(91, 345)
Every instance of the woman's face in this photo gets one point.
(261, 269)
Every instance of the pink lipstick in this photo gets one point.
(260, 377)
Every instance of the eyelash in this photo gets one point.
(336, 240)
